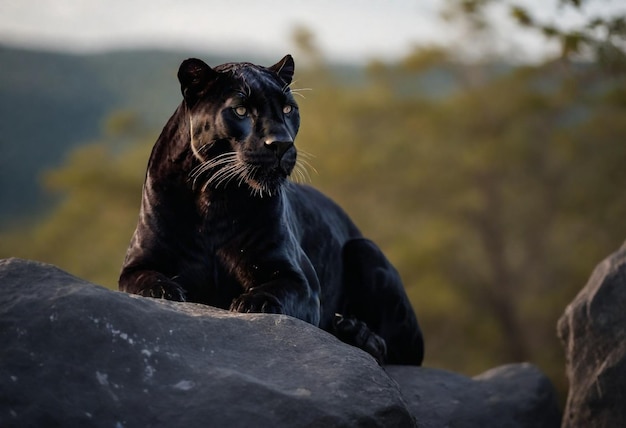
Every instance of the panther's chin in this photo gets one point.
(268, 184)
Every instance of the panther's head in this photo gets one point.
(243, 120)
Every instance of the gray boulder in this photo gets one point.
(76, 354)
(510, 396)
(593, 331)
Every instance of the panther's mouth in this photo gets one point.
(230, 169)
(267, 181)
(263, 177)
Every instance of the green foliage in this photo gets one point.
(495, 203)
(89, 230)
(600, 38)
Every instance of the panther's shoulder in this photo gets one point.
(315, 209)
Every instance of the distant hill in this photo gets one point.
(52, 102)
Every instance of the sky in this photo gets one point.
(345, 30)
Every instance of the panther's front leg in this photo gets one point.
(281, 288)
(150, 283)
(257, 301)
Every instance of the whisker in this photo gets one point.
(218, 177)
(225, 175)
(213, 163)
(303, 160)
(192, 141)
(308, 165)
(240, 171)
(295, 91)
(218, 161)
(305, 154)
(298, 176)
(295, 175)
(306, 176)
(298, 90)
(245, 175)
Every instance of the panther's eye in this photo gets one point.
(241, 111)
(287, 109)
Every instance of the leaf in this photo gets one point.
(571, 43)
(595, 23)
(617, 26)
(550, 31)
(575, 3)
(522, 16)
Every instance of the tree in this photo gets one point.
(598, 38)
(489, 200)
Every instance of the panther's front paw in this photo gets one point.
(165, 290)
(257, 303)
(357, 333)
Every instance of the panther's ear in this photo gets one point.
(284, 68)
(194, 76)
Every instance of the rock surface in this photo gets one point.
(593, 331)
(75, 354)
(511, 396)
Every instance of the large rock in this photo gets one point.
(511, 396)
(80, 355)
(75, 354)
(593, 331)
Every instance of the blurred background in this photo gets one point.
(481, 143)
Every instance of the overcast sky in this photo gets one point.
(353, 30)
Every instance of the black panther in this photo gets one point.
(221, 224)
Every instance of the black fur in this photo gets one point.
(220, 224)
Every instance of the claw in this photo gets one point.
(257, 303)
(357, 333)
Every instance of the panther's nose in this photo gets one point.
(279, 147)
